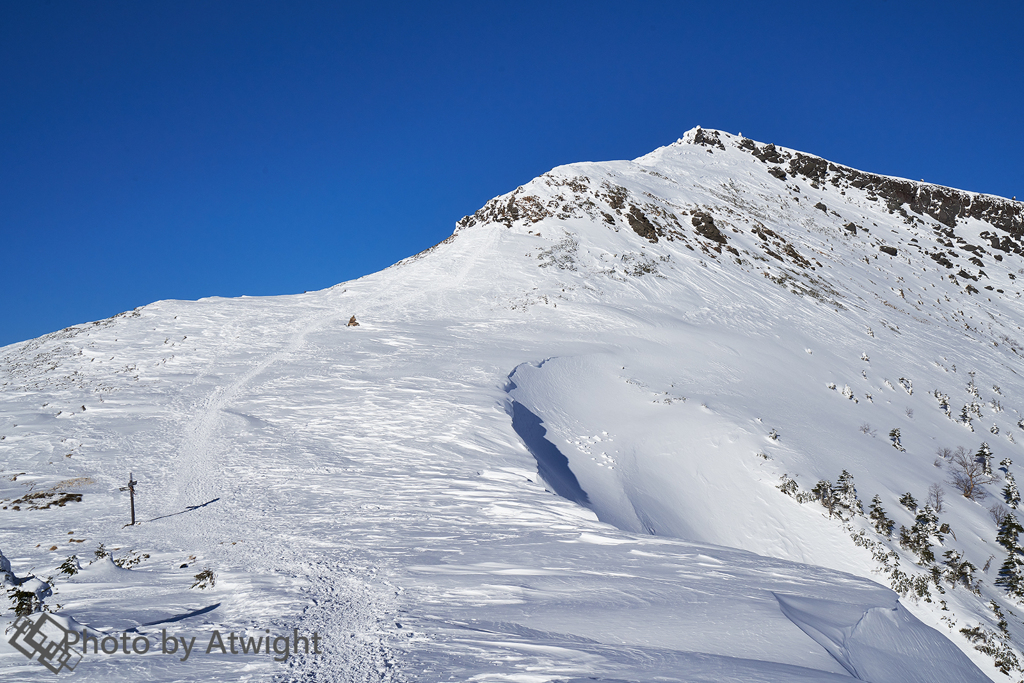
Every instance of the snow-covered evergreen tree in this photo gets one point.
(958, 570)
(879, 520)
(1010, 493)
(894, 436)
(984, 456)
(965, 418)
(928, 519)
(825, 493)
(918, 537)
(846, 494)
(943, 400)
(1011, 573)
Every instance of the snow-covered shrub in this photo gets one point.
(131, 559)
(825, 493)
(894, 437)
(943, 400)
(204, 579)
(907, 501)
(23, 603)
(975, 408)
(958, 570)
(836, 498)
(889, 565)
(27, 597)
(972, 388)
(70, 566)
(789, 486)
(989, 643)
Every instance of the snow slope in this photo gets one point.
(662, 339)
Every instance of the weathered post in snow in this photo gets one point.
(130, 488)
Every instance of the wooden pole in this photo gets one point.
(131, 494)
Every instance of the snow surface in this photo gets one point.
(378, 484)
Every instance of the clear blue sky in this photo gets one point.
(153, 150)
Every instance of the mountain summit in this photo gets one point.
(726, 412)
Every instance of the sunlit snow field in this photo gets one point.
(367, 482)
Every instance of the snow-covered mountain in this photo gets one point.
(599, 433)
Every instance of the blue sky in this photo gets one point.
(188, 149)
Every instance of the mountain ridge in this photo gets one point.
(692, 332)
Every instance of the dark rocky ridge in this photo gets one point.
(946, 205)
(711, 138)
(706, 229)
